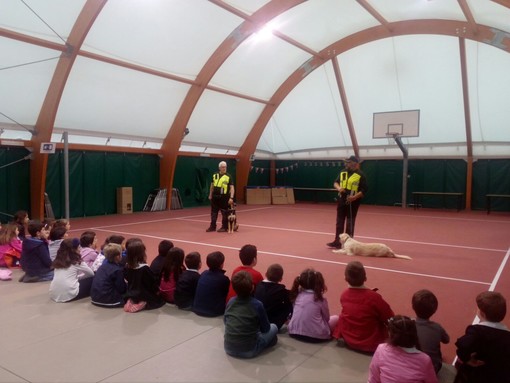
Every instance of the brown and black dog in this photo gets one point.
(232, 218)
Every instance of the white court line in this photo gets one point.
(442, 218)
(404, 215)
(165, 219)
(500, 270)
(190, 218)
(491, 288)
(299, 257)
(359, 236)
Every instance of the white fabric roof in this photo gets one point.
(308, 88)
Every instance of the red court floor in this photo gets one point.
(455, 254)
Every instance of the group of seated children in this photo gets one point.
(11, 237)
(254, 308)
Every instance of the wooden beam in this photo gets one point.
(46, 119)
(345, 105)
(469, 15)
(374, 13)
(438, 27)
(172, 141)
(467, 119)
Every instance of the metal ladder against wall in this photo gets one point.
(47, 207)
(176, 200)
(156, 200)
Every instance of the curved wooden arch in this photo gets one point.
(462, 30)
(172, 142)
(48, 112)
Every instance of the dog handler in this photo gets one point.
(221, 195)
(352, 187)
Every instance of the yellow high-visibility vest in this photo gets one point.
(349, 183)
(221, 181)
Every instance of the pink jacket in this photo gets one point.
(88, 255)
(396, 364)
(15, 244)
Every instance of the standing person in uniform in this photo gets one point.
(352, 187)
(221, 194)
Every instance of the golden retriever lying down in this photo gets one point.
(352, 247)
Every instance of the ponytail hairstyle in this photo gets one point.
(402, 332)
(309, 279)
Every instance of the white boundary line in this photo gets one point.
(299, 257)
(162, 220)
(374, 238)
(500, 270)
(491, 288)
(326, 208)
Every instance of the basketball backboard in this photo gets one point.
(405, 123)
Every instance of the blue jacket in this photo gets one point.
(212, 290)
(35, 257)
(186, 288)
(108, 286)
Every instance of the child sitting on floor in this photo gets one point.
(35, 257)
(398, 359)
(73, 277)
(57, 235)
(142, 286)
(10, 246)
(173, 267)
(187, 285)
(484, 349)
(310, 320)
(248, 257)
(430, 334)
(88, 244)
(364, 316)
(119, 240)
(109, 286)
(212, 288)
(21, 220)
(157, 263)
(274, 296)
(247, 329)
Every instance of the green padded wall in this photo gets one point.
(259, 173)
(447, 176)
(384, 179)
(94, 178)
(491, 177)
(14, 181)
(193, 176)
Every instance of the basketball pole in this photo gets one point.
(400, 144)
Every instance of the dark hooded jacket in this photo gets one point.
(35, 257)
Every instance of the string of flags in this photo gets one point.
(294, 166)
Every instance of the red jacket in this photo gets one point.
(362, 322)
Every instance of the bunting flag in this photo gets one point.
(295, 166)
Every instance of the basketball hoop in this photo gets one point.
(403, 124)
(391, 137)
(393, 126)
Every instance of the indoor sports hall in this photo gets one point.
(116, 115)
